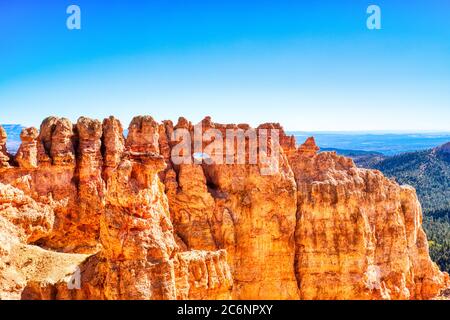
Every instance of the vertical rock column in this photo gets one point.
(27, 155)
(4, 157)
(91, 187)
(45, 140)
(136, 232)
(254, 220)
(113, 145)
(62, 149)
(191, 204)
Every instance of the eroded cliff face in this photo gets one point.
(108, 207)
(238, 208)
(358, 234)
(86, 213)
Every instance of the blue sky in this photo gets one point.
(308, 66)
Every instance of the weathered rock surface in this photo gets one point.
(106, 201)
(22, 221)
(27, 155)
(86, 213)
(238, 208)
(358, 233)
(203, 275)
(4, 157)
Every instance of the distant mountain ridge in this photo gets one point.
(428, 171)
(361, 157)
(444, 148)
(351, 153)
(386, 143)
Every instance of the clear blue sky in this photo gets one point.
(309, 66)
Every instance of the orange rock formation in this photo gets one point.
(358, 232)
(86, 213)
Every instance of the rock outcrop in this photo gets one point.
(186, 212)
(358, 233)
(4, 157)
(27, 155)
(445, 148)
(22, 221)
(237, 208)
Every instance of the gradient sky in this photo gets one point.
(309, 66)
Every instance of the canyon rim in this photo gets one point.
(87, 213)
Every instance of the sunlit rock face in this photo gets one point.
(22, 221)
(358, 234)
(106, 216)
(86, 213)
(4, 156)
(26, 156)
(237, 208)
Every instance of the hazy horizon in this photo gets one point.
(387, 143)
(289, 131)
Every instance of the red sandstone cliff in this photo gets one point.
(81, 199)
